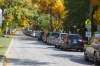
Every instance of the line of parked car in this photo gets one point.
(31, 33)
(65, 41)
(62, 41)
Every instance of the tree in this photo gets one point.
(60, 12)
(4, 4)
(52, 7)
(43, 21)
(95, 2)
(19, 13)
(77, 13)
(96, 12)
(46, 7)
(96, 15)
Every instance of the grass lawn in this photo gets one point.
(4, 44)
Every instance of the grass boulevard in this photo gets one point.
(4, 44)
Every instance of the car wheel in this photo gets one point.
(55, 46)
(85, 56)
(95, 59)
(58, 47)
(64, 49)
(81, 50)
(61, 48)
(47, 42)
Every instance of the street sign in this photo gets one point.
(88, 26)
(88, 34)
(88, 22)
(0, 17)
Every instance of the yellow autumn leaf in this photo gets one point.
(58, 7)
(96, 15)
(95, 2)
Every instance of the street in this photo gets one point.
(28, 51)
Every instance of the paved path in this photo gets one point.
(27, 51)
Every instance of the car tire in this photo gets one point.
(85, 56)
(47, 42)
(55, 46)
(58, 47)
(81, 50)
(95, 59)
(61, 48)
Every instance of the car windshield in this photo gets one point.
(96, 40)
(97, 35)
(55, 34)
(63, 35)
(75, 37)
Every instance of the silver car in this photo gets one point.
(52, 37)
(92, 49)
(60, 39)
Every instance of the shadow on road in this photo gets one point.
(78, 59)
(20, 35)
(27, 39)
(23, 37)
(30, 40)
(28, 62)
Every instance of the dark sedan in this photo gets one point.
(73, 41)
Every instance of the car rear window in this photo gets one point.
(63, 35)
(55, 34)
(96, 39)
(74, 37)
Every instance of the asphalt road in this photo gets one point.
(27, 51)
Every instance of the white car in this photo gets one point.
(35, 33)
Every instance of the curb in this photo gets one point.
(5, 55)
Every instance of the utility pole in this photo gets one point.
(91, 9)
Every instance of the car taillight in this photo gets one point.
(81, 40)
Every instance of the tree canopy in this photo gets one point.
(19, 13)
(66, 13)
(96, 14)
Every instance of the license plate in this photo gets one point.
(74, 41)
